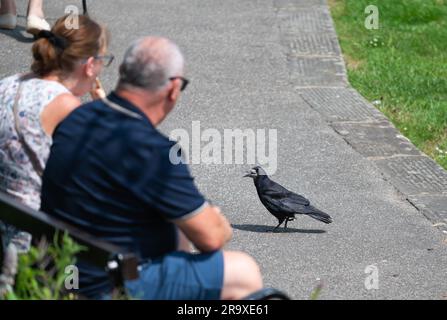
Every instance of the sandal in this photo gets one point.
(36, 24)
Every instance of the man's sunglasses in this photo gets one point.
(184, 82)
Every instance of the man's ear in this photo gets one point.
(89, 67)
(174, 92)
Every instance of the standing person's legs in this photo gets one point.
(8, 6)
(35, 8)
(8, 14)
(35, 17)
(241, 276)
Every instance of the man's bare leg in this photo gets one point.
(241, 275)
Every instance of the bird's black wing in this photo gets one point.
(292, 206)
(276, 206)
(276, 191)
(285, 206)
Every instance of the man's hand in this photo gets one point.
(208, 230)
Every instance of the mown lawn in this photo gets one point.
(402, 66)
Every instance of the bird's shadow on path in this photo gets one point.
(269, 229)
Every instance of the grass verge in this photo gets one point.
(402, 66)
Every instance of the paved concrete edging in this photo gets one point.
(317, 71)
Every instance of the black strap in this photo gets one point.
(84, 7)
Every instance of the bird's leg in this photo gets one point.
(280, 222)
(287, 220)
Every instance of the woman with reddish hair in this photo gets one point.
(66, 64)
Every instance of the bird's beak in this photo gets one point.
(250, 174)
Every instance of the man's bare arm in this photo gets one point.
(208, 230)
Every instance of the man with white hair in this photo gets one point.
(109, 173)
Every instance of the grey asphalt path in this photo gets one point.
(238, 60)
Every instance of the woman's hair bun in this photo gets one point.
(61, 49)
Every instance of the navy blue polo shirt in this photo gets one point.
(109, 173)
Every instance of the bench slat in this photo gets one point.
(39, 224)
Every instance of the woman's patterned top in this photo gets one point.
(18, 177)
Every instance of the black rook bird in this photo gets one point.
(282, 203)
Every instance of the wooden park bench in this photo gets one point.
(119, 263)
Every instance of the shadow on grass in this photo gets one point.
(268, 229)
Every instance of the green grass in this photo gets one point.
(403, 64)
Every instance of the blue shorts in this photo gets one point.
(180, 276)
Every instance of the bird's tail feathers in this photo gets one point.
(320, 215)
